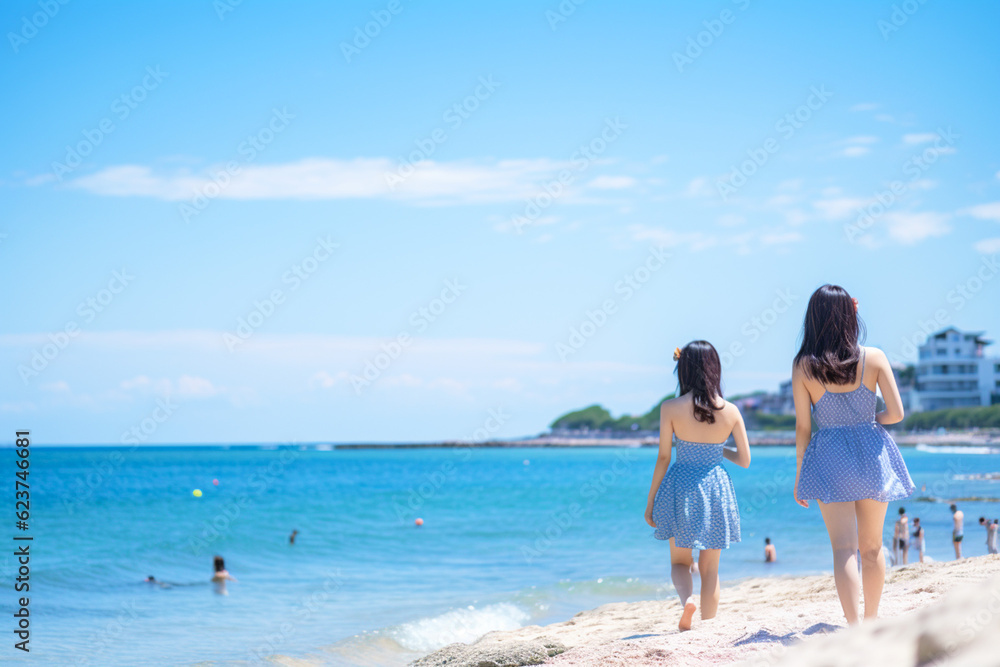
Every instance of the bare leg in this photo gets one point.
(680, 573)
(871, 520)
(841, 524)
(708, 564)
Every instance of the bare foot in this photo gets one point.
(687, 616)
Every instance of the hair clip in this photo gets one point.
(677, 354)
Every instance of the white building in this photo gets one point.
(953, 372)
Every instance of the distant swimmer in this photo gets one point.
(221, 576)
(770, 553)
(957, 531)
(291, 538)
(156, 582)
(902, 542)
(918, 538)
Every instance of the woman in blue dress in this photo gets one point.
(691, 503)
(850, 465)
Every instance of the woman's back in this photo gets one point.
(846, 405)
(680, 413)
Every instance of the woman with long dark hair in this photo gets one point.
(850, 465)
(692, 503)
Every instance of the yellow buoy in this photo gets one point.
(196, 493)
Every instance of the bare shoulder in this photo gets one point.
(674, 403)
(729, 408)
(731, 412)
(876, 355)
(877, 359)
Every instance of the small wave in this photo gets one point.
(956, 449)
(978, 476)
(458, 625)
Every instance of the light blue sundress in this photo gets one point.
(696, 503)
(851, 457)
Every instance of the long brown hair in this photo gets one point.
(831, 337)
(700, 372)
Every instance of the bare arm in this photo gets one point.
(893, 413)
(741, 456)
(662, 461)
(803, 424)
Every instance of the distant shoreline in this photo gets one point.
(981, 438)
(757, 439)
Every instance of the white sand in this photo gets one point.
(759, 617)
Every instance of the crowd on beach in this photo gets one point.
(905, 538)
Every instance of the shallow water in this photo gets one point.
(510, 537)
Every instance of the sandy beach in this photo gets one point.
(943, 613)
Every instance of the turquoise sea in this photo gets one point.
(510, 537)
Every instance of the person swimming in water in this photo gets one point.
(221, 576)
(770, 553)
(291, 538)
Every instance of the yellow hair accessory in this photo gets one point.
(677, 354)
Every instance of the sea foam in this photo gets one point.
(458, 625)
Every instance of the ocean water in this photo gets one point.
(510, 537)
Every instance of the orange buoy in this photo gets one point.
(419, 522)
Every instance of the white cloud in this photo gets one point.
(404, 380)
(669, 238)
(196, 387)
(989, 211)
(790, 185)
(506, 225)
(612, 182)
(855, 151)
(920, 138)
(988, 246)
(699, 187)
(780, 238)
(186, 386)
(59, 386)
(144, 384)
(858, 145)
(324, 380)
(885, 118)
(838, 208)
(910, 228)
(324, 178)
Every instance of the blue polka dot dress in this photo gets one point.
(696, 503)
(851, 457)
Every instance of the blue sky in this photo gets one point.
(446, 202)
